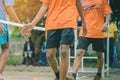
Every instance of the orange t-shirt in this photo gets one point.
(94, 11)
(61, 14)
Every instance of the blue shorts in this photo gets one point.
(4, 38)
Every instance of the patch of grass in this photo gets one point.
(14, 60)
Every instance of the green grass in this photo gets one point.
(14, 60)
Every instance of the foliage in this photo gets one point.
(26, 11)
(14, 60)
(14, 32)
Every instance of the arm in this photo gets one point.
(107, 11)
(80, 11)
(116, 37)
(40, 14)
(108, 17)
(26, 30)
(11, 12)
(9, 8)
(105, 25)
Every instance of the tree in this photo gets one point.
(26, 11)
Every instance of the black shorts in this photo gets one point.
(55, 38)
(97, 43)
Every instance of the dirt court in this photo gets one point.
(45, 73)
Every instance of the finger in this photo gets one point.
(103, 30)
(27, 34)
(22, 31)
(84, 33)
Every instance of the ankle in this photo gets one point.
(57, 74)
(99, 74)
(74, 75)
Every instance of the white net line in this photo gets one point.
(21, 25)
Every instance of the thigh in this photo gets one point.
(98, 44)
(83, 43)
(53, 39)
(67, 36)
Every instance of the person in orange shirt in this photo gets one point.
(60, 24)
(94, 12)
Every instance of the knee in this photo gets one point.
(50, 56)
(99, 56)
(80, 53)
(5, 55)
(64, 53)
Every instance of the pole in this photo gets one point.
(21, 25)
(108, 40)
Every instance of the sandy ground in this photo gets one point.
(45, 73)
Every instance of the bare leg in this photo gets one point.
(64, 61)
(52, 59)
(100, 61)
(4, 56)
(76, 65)
(100, 66)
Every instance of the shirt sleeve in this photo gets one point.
(107, 9)
(45, 1)
(9, 2)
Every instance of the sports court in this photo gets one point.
(45, 73)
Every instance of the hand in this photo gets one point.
(1, 29)
(30, 55)
(117, 40)
(25, 54)
(26, 30)
(84, 28)
(105, 27)
(79, 19)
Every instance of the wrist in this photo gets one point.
(32, 24)
(106, 23)
(83, 22)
